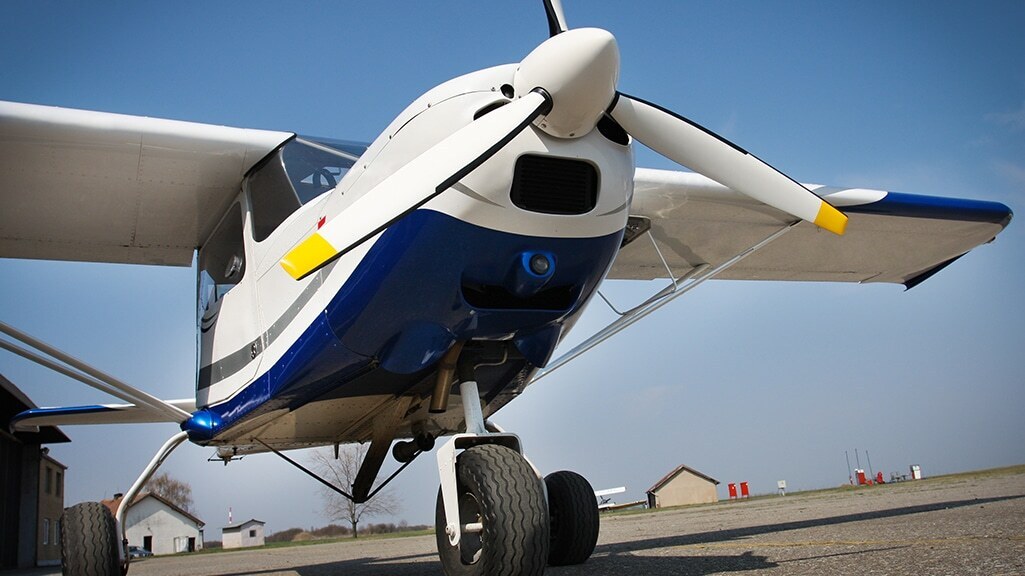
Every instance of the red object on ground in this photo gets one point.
(861, 478)
(743, 490)
(879, 478)
(733, 490)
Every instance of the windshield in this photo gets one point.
(315, 167)
(296, 173)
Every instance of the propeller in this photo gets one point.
(703, 151)
(564, 87)
(683, 140)
(556, 18)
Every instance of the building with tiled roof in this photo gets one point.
(158, 525)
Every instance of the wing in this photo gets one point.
(891, 237)
(32, 419)
(94, 186)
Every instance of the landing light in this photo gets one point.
(540, 264)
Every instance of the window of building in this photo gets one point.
(49, 480)
(46, 530)
(59, 487)
(252, 533)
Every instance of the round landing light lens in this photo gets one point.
(539, 264)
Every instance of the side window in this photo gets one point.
(222, 260)
(271, 196)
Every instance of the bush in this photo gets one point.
(284, 535)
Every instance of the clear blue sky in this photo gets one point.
(738, 380)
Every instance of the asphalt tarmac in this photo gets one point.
(964, 524)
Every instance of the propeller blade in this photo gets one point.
(556, 17)
(415, 184)
(703, 151)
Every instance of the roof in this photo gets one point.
(113, 503)
(239, 525)
(46, 456)
(13, 402)
(676, 472)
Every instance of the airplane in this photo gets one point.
(359, 293)
(605, 496)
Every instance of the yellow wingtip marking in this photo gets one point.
(831, 219)
(308, 256)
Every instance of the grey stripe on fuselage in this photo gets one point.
(239, 359)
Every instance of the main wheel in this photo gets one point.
(89, 541)
(497, 488)
(574, 518)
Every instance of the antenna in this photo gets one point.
(850, 476)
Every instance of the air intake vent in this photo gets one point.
(554, 185)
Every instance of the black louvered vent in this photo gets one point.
(554, 185)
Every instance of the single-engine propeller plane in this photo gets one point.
(407, 290)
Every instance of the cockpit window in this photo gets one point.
(222, 259)
(296, 173)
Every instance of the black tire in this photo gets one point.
(574, 518)
(89, 541)
(498, 488)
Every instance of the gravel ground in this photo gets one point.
(967, 524)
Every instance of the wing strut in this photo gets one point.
(86, 374)
(331, 486)
(679, 287)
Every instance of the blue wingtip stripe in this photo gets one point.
(61, 411)
(936, 207)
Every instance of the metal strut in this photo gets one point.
(86, 374)
(126, 500)
(696, 277)
(347, 496)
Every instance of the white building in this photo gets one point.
(242, 534)
(159, 526)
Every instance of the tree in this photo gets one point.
(342, 473)
(171, 489)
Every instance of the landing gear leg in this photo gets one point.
(93, 541)
(491, 516)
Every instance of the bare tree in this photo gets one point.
(342, 473)
(171, 489)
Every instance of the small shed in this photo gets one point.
(242, 534)
(683, 486)
(159, 525)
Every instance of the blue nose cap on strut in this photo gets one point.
(532, 271)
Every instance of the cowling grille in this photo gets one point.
(554, 185)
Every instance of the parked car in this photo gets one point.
(137, 552)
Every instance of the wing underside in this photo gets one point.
(32, 419)
(891, 237)
(95, 186)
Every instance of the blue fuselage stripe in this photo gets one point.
(405, 305)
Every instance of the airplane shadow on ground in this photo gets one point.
(619, 558)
